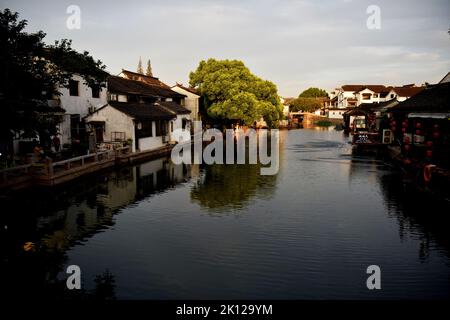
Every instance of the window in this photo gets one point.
(392, 96)
(95, 91)
(73, 88)
(375, 95)
(113, 97)
(144, 129)
(184, 123)
(366, 96)
(160, 128)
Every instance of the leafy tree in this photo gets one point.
(149, 71)
(305, 104)
(31, 73)
(313, 93)
(232, 93)
(140, 70)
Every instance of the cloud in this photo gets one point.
(294, 43)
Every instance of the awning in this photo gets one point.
(430, 115)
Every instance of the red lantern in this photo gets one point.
(394, 123)
(429, 144)
(436, 126)
(393, 128)
(418, 125)
(436, 135)
(407, 140)
(429, 154)
(407, 147)
(404, 124)
(403, 130)
(407, 161)
(418, 132)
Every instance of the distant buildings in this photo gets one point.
(349, 96)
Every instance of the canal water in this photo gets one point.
(160, 231)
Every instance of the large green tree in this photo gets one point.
(313, 93)
(305, 104)
(30, 74)
(232, 93)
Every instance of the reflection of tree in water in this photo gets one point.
(417, 213)
(232, 186)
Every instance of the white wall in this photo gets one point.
(150, 143)
(178, 124)
(64, 130)
(191, 102)
(80, 104)
(342, 98)
(115, 121)
(335, 114)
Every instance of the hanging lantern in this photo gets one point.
(429, 154)
(418, 132)
(407, 140)
(418, 125)
(407, 147)
(436, 135)
(404, 130)
(429, 143)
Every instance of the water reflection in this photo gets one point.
(150, 231)
(40, 226)
(420, 215)
(225, 188)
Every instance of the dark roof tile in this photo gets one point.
(143, 111)
(435, 98)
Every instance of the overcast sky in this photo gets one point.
(295, 44)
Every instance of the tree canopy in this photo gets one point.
(305, 104)
(313, 93)
(232, 93)
(31, 74)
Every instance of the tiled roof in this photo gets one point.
(143, 111)
(125, 86)
(435, 98)
(147, 79)
(407, 91)
(377, 88)
(188, 89)
(173, 107)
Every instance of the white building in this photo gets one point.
(78, 100)
(192, 100)
(335, 113)
(141, 114)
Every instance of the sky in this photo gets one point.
(294, 43)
